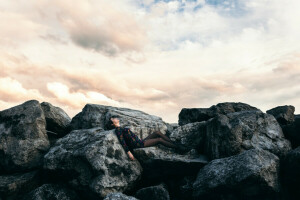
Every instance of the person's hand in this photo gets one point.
(130, 155)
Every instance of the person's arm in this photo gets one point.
(120, 135)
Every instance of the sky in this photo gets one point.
(157, 56)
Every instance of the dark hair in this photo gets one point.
(109, 124)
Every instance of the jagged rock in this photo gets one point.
(157, 192)
(57, 120)
(51, 192)
(171, 127)
(291, 174)
(119, 196)
(252, 174)
(283, 114)
(141, 123)
(23, 138)
(159, 164)
(15, 184)
(93, 159)
(190, 115)
(230, 134)
(192, 135)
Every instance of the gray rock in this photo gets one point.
(18, 183)
(191, 135)
(190, 115)
(57, 120)
(157, 192)
(119, 196)
(161, 163)
(23, 138)
(283, 114)
(141, 123)
(252, 174)
(51, 192)
(95, 160)
(230, 134)
(291, 175)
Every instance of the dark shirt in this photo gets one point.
(127, 138)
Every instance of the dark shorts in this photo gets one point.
(139, 143)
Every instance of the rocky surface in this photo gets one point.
(23, 138)
(252, 174)
(57, 120)
(159, 164)
(289, 122)
(189, 115)
(51, 192)
(236, 152)
(233, 133)
(141, 123)
(93, 159)
(157, 192)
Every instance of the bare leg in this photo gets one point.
(155, 141)
(159, 134)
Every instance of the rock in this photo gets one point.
(57, 120)
(119, 196)
(190, 115)
(252, 174)
(141, 123)
(191, 135)
(157, 192)
(160, 164)
(51, 192)
(18, 183)
(283, 114)
(23, 138)
(292, 132)
(291, 174)
(93, 160)
(231, 134)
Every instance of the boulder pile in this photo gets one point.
(235, 152)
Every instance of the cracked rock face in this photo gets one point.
(119, 196)
(190, 115)
(93, 159)
(23, 138)
(141, 123)
(230, 134)
(252, 174)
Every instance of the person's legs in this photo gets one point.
(158, 134)
(155, 141)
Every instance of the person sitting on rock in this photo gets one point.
(130, 141)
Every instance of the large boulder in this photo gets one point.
(252, 174)
(157, 192)
(93, 160)
(57, 120)
(291, 174)
(190, 115)
(192, 135)
(163, 163)
(230, 134)
(283, 114)
(51, 192)
(16, 184)
(141, 123)
(23, 138)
